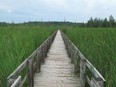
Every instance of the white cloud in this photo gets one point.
(56, 3)
(108, 2)
(9, 10)
(6, 7)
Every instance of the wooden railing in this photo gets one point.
(92, 78)
(32, 63)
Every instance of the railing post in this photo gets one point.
(69, 49)
(30, 75)
(83, 71)
(42, 54)
(76, 62)
(45, 49)
(50, 41)
(46, 46)
(72, 54)
(49, 44)
(38, 61)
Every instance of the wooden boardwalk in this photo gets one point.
(57, 71)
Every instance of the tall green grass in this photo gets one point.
(99, 47)
(17, 42)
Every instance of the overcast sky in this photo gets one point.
(55, 10)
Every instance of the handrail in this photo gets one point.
(17, 82)
(33, 63)
(96, 80)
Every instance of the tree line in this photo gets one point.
(92, 22)
(97, 22)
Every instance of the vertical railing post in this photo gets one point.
(42, 55)
(46, 46)
(38, 62)
(44, 52)
(49, 44)
(76, 64)
(83, 71)
(67, 47)
(45, 49)
(50, 41)
(68, 50)
(30, 75)
(72, 54)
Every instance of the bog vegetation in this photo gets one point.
(98, 46)
(17, 42)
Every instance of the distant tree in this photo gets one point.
(115, 23)
(90, 22)
(111, 21)
(105, 23)
(100, 22)
(96, 23)
(3, 23)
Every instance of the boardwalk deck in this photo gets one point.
(57, 71)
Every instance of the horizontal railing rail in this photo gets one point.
(82, 65)
(33, 63)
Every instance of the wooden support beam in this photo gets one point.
(30, 75)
